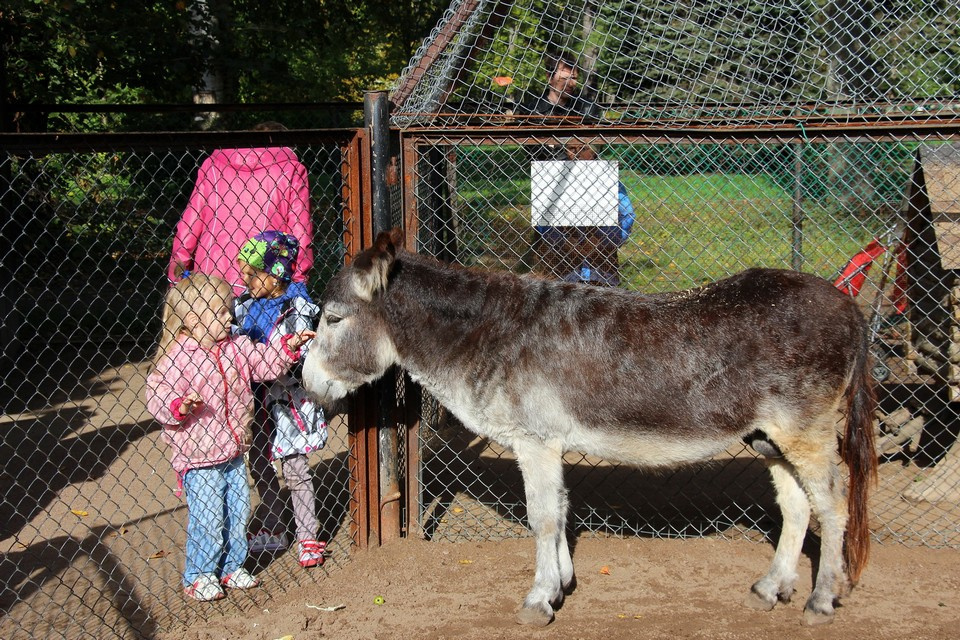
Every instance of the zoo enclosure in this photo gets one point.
(708, 203)
(731, 159)
(814, 135)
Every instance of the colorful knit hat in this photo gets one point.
(271, 251)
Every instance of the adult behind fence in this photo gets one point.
(238, 194)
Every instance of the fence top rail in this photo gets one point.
(87, 142)
(33, 107)
(787, 131)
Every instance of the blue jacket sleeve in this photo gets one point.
(625, 212)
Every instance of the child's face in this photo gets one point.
(211, 325)
(259, 283)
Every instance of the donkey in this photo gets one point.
(544, 367)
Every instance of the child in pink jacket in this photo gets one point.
(200, 391)
(238, 194)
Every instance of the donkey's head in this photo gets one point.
(353, 344)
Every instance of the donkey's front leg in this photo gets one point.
(542, 471)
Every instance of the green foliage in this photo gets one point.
(651, 57)
(97, 51)
(115, 52)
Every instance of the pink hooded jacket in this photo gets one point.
(238, 194)
(222, 375)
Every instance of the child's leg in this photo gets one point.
(237, 515)
(204, 489)
(261, 469)
(299, 479)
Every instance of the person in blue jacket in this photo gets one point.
(582, 253)
(586, 253)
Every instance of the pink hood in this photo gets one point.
(238, 194)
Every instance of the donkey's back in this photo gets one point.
(661, 379)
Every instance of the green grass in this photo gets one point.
(688, 230)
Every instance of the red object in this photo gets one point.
(502, 81)
(855, 273)
(853, 276)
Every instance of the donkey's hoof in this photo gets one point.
(813, 618)
(755, 601)
(535, 616)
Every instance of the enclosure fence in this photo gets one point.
(685, 142)
(866, 212)
(92, 528)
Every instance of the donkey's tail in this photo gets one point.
(860, 455)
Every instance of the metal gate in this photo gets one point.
(91, 529)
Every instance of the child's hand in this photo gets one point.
(297, 340)
(190, 403)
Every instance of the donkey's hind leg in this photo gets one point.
(824, 484)
(542, 471)
(779, 582)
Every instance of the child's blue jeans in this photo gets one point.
(218, 507)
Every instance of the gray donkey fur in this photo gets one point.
(545, 367)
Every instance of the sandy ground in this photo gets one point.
(94, 549)
(627, 588)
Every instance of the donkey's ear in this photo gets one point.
(372, 267)
(389, 241)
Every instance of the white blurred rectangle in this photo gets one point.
(573, 193)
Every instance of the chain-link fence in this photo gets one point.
(92, 529)
(869, 214)
(709, 63)
(816, 135)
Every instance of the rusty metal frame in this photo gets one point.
(536, 131)
(439, 44)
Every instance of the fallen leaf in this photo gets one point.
(621, 615)
(79, 512)
(458, 509)
(158, 554)
(604, 570)
(465, 561)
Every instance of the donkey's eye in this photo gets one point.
(332, 319)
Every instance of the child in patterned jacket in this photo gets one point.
(288, 424)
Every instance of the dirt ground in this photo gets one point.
(85, 557)
(627, 588)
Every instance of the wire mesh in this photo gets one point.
(709, 62)
(705, 208)
(92, 530)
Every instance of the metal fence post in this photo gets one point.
(376, 112)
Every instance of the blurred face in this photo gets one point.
(564, 80)
(211, 325)
(259, 283)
